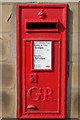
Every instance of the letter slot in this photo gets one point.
(38, 26)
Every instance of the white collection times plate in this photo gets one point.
(42, 55)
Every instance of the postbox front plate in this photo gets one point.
(41, 60)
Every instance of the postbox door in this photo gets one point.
(41, 60)
(42, 76)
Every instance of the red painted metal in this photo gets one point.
(42, 14)
(41, 92)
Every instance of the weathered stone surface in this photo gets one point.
(74, 104)
(0, 47)
(6, 17)
(75, 48)
(79, 17)
(0, 18)
(0, 103)
(79, 75)
(8, 75)
(0, 75)
(72, 47)
(79, 104)
(13, 33)
(8, 103)
(40, 1)
(75, 75)
(5, 46)
(73, 18)
(79, 47)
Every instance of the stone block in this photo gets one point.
(8, 103)
(6, 17)
(75, 75)
(0, 103)
(72, 47)
(13, 33)
(8, 75)
(75, 47)
(0, 17)
(74, 104)
(0, 47)
(79, 75)
(79, 104)
(79, 16)
(79, 47)
(0, 75)
(5, 46)
(73, 18)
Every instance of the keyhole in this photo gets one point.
(32, 76)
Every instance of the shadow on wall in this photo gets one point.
(69, 59)
(6, 100)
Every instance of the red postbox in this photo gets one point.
(41, 60)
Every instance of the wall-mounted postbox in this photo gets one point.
(41, 60)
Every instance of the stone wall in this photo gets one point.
(8, 89)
